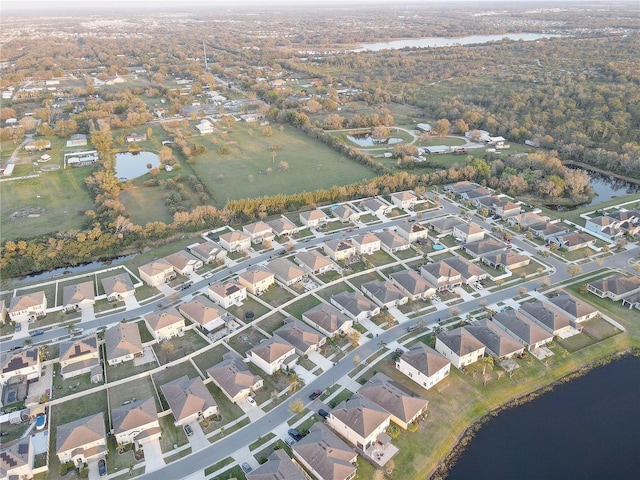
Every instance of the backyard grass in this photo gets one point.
(140, 389)
(248, 305)
(181, 346)
(172, 436)
(272, 322)
(62, 387)
(327, 292)
(367, 277)
(126, 369)
(380, 258)
(210, 357)
(576, 342)
(406, 254)
(245, 340)
(174, 372)
(276, 296)
(296, 309)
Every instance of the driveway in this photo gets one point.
(253, 413)
(92, 465)
(198, 441)
(153, 456)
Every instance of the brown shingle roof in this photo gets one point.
(329, 456)
(425, 359)
(136, 414)
(80, 432)
(361, 415)
(187, 397)
(381, 390)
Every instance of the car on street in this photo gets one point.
(315, 394)
(246, 467)
(295, 434)
(188, 430)
(323, 413)
(251, 401)
(15, 347)
(102, 467)
(35, 333)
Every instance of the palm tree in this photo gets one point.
(294, 381)
(487, 361)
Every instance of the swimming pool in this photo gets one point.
(41, 421)
(437, 246)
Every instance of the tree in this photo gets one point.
(354, 338)
(333, 122)
(522, 290)
(294, 381)
(167, 347)
(357, 360)
(296, 405)
(487, 362)
(441, 127)
(283, 166)
(574, 270)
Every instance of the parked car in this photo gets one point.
(15, 347)
(102, 467)
(18, 327)
(290, 441)
(323, 413)
(35, 333)
(246, 467)
(295, 434)
(315, 394)
(188, 430)
(251, 401)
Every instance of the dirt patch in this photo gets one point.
(26, 212)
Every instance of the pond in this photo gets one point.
(134, 164)
(607, 188)
(366, 140)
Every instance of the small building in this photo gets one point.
(204, 127)
(271, 355)
(136, 422)
(340, 249)
(304, 338)
(412, 231)
(412, 284)
(82, 440)
(366, 244)
(405, 200)
(189, 400)
(209, 252)
(227, 294)
(165, 325)
(78, 296)
(328, 320)
(385, 294)
(234, 378)
(285, 271)
(460, 347)
(122, 343)
(391, 242)
(80, 356)
(355, 305)
(235, 241)
(257, 280)
(325, 455)
(136, 137)
(313, 218)
(314, 262)
(157, 272)
(77, 140)
(184, 263)
(204, 312)
(28, 307)
(423, 365)
(118, 287)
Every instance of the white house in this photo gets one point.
(25, 363)
(405, 200)
(122, 343)
(28, 307)
(359, 420)
(136, 422)
(235, 241)
(189, 400)
(227, 294)
(184, 263)
(424, 365)
(257, 280)
(460, 347)
(271, 356)
(204, 312)
(366, 244)
(82, 440)
(164, 325)
(313, 218)
(156, 272)
(78, 296)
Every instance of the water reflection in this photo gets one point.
(366, 140)
(135, 164)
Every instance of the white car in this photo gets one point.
(251, 401)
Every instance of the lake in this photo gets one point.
(366, 140)
(607, 188)
(436, 42)
(134, 164)
(585, 429)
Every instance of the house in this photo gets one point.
(314, 262)
(405, 407)
(204, 127)
(355, 305)
(313, 218)
(460, 347)
(118, 287)
(136, 422)
(80, 356)
(528, 219)
(235, 241)
(78, 296)
(285, 271)
(345, 213)
(234, 378)
(470, 272)
(340, 249)
(604, 226)
(405, 200)
(484, 246)
(460, 187)
(444, 226)
(544, 315)
(328, 319)
(632, 301)
(468, 232)
(616, 287)
(28, 307)
(573, 241)
(257, 280)
(25, 363)
(227, 294)
(498, 343)
(277, 467)
(209, 252)
(423, 365)
(16, 460)
(441, 275)
(506, 209)
(258, 231)
(578, 310)
(189, 400)
(548, 230)
(164, 325)
(508, 260)
(412, 231)
(122, 342)
(157, 272)
(359, 421)
(136, 137)
(184, 263)
(82, 440)
(411, 283)
(325, 455)
(272, 355)
(385, 294)
(77, 140)
(391, 242)
(304, 338)
(283, 227)
(423, 127)
(204, 312)
(376, 206)
(366, 244)
(526, 331)
(475, 194)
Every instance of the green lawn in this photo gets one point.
(127, 369)
(296, 309)
(276, 296)
(140, 389)
(272, 322)
(228, 411)
(244, 341)
(171, 435)
(248, 305)
(180, 347)
(210, 357)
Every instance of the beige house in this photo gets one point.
(506, 260)
(345, 213)
(163, 325)
(424, 365)
(578, 310)
(283, 227)
(325, 455)
(616, 287)
(314, 262)
(405, 200)
(391, 242)
(122, 343)
(234, 378)
(25, 363)
(285, 271)
(189, 400)
(340, 249)
(204, 312)
(78, 296)
(412, 284)
(498, 343)
(526, 331)
(257, 280)
(16, 461)
(28, 307)
(460, 347)
(328, 319)
(156, 272)
(184, 263)
(278, 466)
(376, 206)
(235, 241)
(484, 246)
(271, 356)
(441, 275)
(355, 305)
(118, 287)
(468, 232)
(136, 422)
(313, 218)
(259, 232)
(82, 440)
(80, 356)
(209, 252)
(304, 338)
(385, 294)
(227, 294)
(412, 231)
(555, 321)
(366, 244)
(359, 421)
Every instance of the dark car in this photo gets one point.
(315, 394)
(102, 467)
(188, 430)
(15, 347)
(294, 434)
(323, 413)
(35, 333)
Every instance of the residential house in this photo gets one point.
(345, 213)
(487, 202)
(468, 232)
(28, 307)
(136, 137)
(314, 262)
(385, 294)
(359, 421)
(257, 280)
(412, 231)
(277, 467)
(573, 241)
(136, 422)
(460, 187)
(405, 407)
(81, 356)
(460, 347)
(313, 218)
(441, 275)
(157, 272)
(235, 241)
(391, 242)
(405, 200)
(234, 378)
(528, 219)
(328, 319)
(283, 227)
(475, 194)
(549, 230)
(25, 363)
(506, 209)
(205, 313)
(325, 455)
(498, 343)
(444, 226)
(340, 249)
(189, 400)
(285, 271)
(526, 331)
(209, 252)
(77, 140)
(470, 272)
(508, 260)
(355, 305)
(16, 460)
(258, 231)
(227, 294)
(184, 263)
(304, 338)
(366, 244)
(423, 365)
(118, 287)
(411, 283)
(616, 287)
(204, 127)
(272, 355)
(122, 343)
(579, 311)
(605, 227)
(78, 296)
(632, 301)
(546, 316)
(82, 440)
(483, 247)
(376, 206)
(164, 325)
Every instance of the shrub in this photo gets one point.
(393, 430)
(413, 427)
